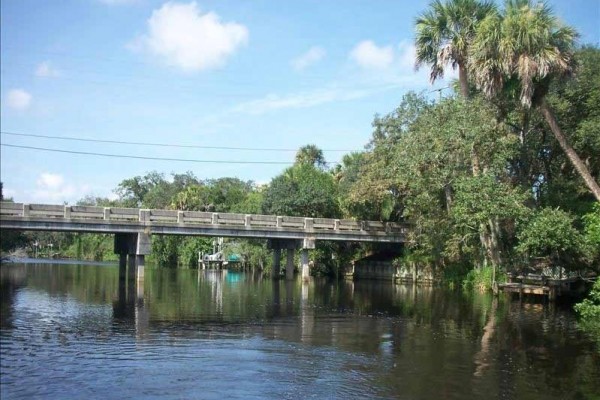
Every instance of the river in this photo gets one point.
(72, 331)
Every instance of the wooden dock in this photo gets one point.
(541, 286)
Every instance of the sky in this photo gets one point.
(270, 76)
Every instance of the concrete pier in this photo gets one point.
(132, 249)
(276, 262)
(289, 267)
(304, 264)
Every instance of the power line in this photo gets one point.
(186, 146)
(147, 158)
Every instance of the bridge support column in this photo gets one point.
(276, 262)
(289, 266)
(307, 243)
(304, 264)
(132, 249)
(143, 247)
(131, 267)
(277, 245)
(122, 267)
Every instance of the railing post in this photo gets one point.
(363, 226)
(388, 227)
(180, 217)
(247, 220)
(26, 208)
(279, 222)
(144, 215)
(336, 225)
(67, 214)
(215, 218)
(106, 213)
(309, 224)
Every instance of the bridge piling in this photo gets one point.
(304, 264)
(289, 267)
(276, 262)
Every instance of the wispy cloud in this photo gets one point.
(184, 37)
(47, 70)
(310, 58)
(396, 71)
(54, 188)
(316, 97)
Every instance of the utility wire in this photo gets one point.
(187, 146)
(147, 158)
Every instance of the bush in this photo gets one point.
(589, 308)
(481, 279)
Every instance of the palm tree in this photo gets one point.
(444, 34)
(529, 46)
(311, 155)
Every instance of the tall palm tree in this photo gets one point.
(527, 45)
(311, 155)
(444, 34)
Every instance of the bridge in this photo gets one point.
(134, 226)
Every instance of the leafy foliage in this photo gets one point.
(589, 310)
(550, 233)
(302, 190)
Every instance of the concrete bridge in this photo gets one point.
(133, 227)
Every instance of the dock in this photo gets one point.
(540, 285)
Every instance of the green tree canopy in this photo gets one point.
(302, 190)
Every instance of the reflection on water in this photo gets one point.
(82, 331)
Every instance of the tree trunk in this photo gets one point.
(569, 151)
(462, 78)
(448, 195)
(484, 234)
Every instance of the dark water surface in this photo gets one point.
(72, 331)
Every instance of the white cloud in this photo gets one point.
(53, 188)
(182, 36)
(311, 57)
(18, 99)
(368, 55)
(50, 181)
(47, 70)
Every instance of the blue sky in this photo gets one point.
(253, 74)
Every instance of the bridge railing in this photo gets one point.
(190, 218)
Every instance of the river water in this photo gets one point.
(73, 331)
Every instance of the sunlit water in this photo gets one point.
(72, 331)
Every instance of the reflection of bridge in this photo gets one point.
(132, 228)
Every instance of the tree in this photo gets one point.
(550, 234)
(527, 46)
(311, 155)
(379, 189)
(302, 190)
(444, 34)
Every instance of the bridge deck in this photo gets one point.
(51, 217)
